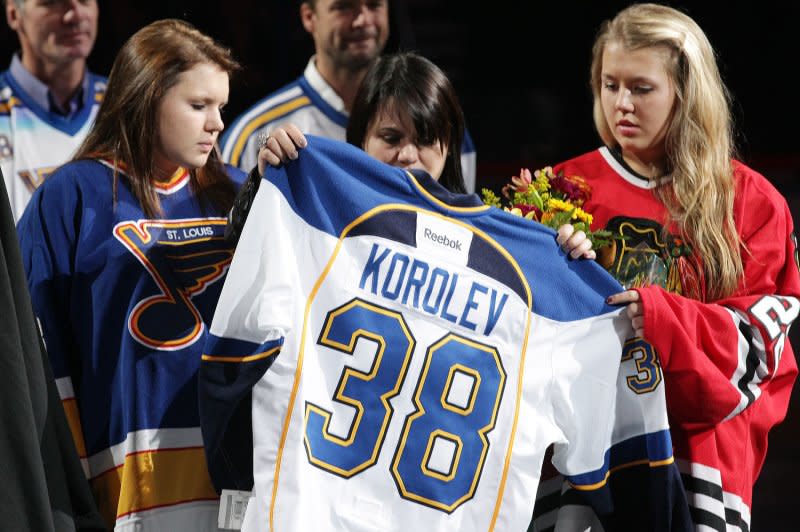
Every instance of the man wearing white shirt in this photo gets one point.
(48, 98)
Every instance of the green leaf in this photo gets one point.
(536, 199)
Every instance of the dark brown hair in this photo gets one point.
(413, 85)
(146, 67)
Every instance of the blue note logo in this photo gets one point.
(183, 258)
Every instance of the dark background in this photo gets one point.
(521, 71)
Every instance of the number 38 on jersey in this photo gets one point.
(442, 445)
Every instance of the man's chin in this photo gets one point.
(361, 59)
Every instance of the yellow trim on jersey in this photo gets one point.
(591, 487)
(10, 104)
(598, 485)
(179, 174)
(74, 421)
(153, 479)
(249, 358)
(260, 120)
(299, 366)
(439, 202)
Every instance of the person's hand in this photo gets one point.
(575, 243)
(634, 310)
(280, 146)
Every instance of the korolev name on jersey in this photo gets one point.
(456, 296)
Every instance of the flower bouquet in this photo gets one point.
(553, 200)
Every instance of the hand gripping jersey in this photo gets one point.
(124, 301)
(430, 348)
(312, 105)
(728, 366)
(35, 141)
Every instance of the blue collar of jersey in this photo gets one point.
(435, 189)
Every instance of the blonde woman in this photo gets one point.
(709, 256)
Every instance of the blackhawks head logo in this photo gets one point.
(647, 255)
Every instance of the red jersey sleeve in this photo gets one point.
(724, 356)
(721, 357)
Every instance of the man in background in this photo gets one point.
(48, 98)
(348, 36)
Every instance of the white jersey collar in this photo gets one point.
(322, 87)
(627, 175)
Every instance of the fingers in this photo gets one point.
(581, 248)
(623, 298)
(575, 243)
(634, 310)
(281, 146)
(267, 157)
(638, 326)
(296, 136)
(563, 234)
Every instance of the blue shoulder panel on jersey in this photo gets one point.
(568, 289)
(572, 289)
(330, 168)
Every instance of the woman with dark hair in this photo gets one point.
(407, 107)
(124, 252)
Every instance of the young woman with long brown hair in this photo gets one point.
(125, 255)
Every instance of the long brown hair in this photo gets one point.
(699, 141)
(125, 131)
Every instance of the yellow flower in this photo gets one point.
(582, 215)
(579, 214)
(559, 205)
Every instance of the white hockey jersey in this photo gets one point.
(425, 350)
(34, 141)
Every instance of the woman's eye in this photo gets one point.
(198, 106)
(642, 89)
(609, 86)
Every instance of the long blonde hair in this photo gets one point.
(145, 68)
(699, 140)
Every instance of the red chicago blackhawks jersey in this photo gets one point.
(728, 365)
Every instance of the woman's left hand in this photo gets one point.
(634, 310)
(280, 146)
(575, 243)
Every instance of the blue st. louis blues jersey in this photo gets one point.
(405, 355)
(124, 302)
